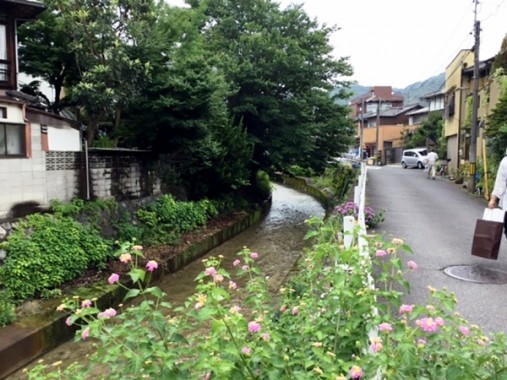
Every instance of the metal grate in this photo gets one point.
(476, 273)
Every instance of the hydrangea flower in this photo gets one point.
(151, 265)
(113, 278)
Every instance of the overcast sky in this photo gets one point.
(399, 42)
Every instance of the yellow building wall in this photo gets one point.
(454, 85)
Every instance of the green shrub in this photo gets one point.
(98, 214)
(299, 171)
(263, 184)
(337, 180)
(7, 309)
(47, 250)
(166, 219)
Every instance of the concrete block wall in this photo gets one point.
(121, 174)
(35, 181)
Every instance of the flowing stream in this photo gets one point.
(278, 240)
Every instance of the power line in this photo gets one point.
(444, 48)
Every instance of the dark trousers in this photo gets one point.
(505, 223)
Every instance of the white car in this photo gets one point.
(416, 157)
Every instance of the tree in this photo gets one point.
(46, 51)
(429, 133)
(106, 37)
(280, 64)
(184, 114)
(496, 126)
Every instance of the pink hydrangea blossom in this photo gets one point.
(356, 372)
(235, 309)
(427, 324)
(412, 265)
(439, 321)
(421, 342)
(246, 350)
(86, 333)
(381, 253)
(236, 263)
(406, 309)
(464, 330)
(295, 310)
(125, 258)
(245, 267)
(68, 321)
(254, 255)
(218, 278)
(210, 271)
(114, 278)
(233, 285)
(254, 327)
(266, 337)
(376, 345)
(108, 313)
(385, 327)
(86, 303)
(151, 265)
(283, 308)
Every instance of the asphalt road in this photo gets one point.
(437, 218)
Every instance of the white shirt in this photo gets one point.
(500, 189)
(432, 158)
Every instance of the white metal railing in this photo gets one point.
(357, 228)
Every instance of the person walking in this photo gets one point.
(432, 160)
(499, 193)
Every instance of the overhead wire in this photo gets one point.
(438, 65)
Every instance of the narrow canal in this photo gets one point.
(278, 239)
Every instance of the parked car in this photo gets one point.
(414, 158)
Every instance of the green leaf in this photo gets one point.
(132, 293)
(137, 275)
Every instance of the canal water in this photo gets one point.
(278, 240)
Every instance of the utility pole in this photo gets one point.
(361, 131)
(377, 131)
(474, 129)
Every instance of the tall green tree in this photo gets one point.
(183, 113)
(106, 36)
(46, 51)
(279, 62)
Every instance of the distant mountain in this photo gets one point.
(412, 93)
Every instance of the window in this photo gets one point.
(4, 63)
(12, 140)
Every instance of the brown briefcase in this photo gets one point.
(487, 239)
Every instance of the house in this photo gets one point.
(42, 155)
(369, 102)
(27, 131)
(435, 101)
(385, 128)
(459, 85)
